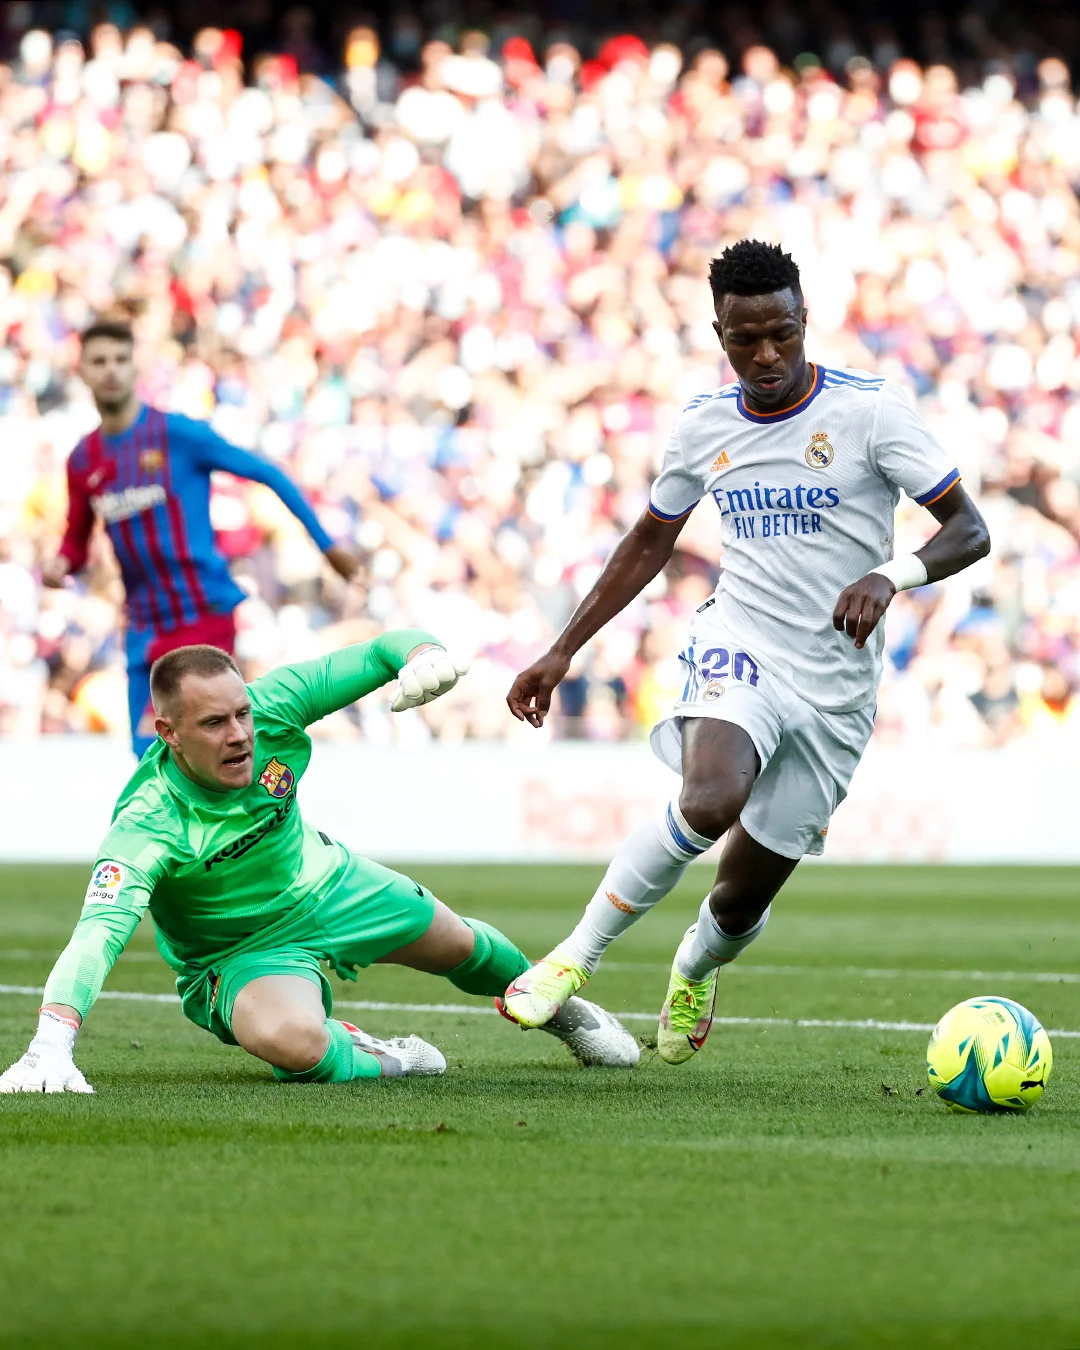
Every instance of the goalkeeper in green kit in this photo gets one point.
(249, 900)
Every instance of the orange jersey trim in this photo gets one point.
(808, 395)
(943, 493)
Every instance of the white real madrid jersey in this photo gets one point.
(806, 498)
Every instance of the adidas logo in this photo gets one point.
(721, 462)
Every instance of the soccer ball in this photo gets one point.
(989, 1054)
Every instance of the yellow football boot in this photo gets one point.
(687, 1014)
(535, 997)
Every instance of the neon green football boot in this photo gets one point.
(687, 1014)
(536, 996)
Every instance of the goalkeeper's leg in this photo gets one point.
(281, 1019)
(478, 959)
(468, 952)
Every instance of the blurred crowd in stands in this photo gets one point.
(455, 282)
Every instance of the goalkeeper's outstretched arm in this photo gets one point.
(109, 917)
(311, 690)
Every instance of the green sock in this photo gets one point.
(494, 964)
(342, 1062)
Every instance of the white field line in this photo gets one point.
(737, 968)
(456, 1009)
(50, 954)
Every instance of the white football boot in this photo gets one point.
(596, 1038)
(400, 1056)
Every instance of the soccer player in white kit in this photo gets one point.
(781, 665)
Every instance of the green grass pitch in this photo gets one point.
(787, 1188)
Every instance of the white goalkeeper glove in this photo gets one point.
(427, 677)
(47, 1065)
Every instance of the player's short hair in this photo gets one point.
(168, 671)
(108, 328)
(751, 267)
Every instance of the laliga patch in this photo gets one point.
(712, 690)
(105, 884)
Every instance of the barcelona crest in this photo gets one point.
(277, 778)
(819, 453)
(152, 461)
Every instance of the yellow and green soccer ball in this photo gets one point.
(989, 1054)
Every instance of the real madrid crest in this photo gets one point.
(819, 453)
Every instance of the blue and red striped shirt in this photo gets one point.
(151, 488)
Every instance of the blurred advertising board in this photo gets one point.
(566, 801)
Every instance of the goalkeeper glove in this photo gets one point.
(47, 1065)
(426, 677)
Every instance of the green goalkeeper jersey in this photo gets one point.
(215, 868)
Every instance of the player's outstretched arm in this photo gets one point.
(962, 539)
(639, 556)
(311, 690)
(114, 903)
(216, 453)
(429, 673)
(49, 1063)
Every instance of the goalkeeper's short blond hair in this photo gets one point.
(168, 671)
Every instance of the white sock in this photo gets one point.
(642, 872)
(712, 947)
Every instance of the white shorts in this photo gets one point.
(807, 756)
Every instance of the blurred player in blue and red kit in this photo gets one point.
(146, 475)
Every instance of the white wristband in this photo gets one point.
(56, 1032)
(904, 572)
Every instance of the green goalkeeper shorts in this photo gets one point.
(367, 913)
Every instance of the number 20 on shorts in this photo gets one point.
(717, 663)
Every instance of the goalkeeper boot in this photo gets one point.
(401, 1056)
(595, 1037)
(536, 996)
(687, 1014)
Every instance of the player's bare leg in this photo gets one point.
(719, 765)
(716, 786)
(732, 915)
(478, 959)
(281, 1019)
(747, 881)
(447, 943)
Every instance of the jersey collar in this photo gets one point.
(188, 788)
(136, 425)
(768, 419)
